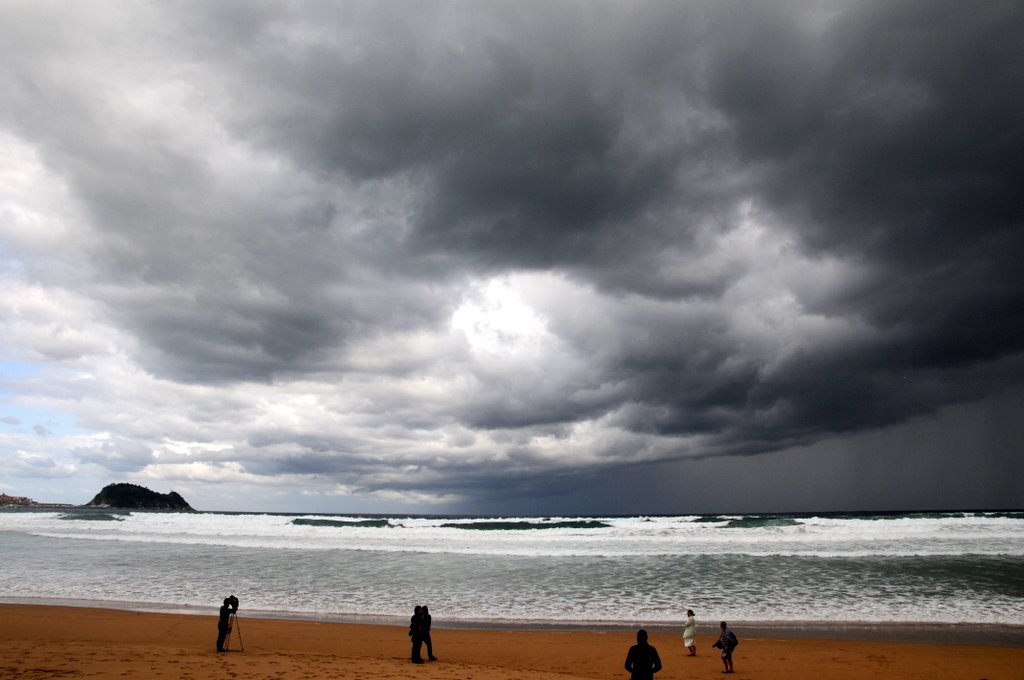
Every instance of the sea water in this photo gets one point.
(932, 568)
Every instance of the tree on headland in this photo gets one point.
(137, 497)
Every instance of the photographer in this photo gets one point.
(227, 610)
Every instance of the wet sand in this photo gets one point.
(39, 641)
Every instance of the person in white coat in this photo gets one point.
(690, 634)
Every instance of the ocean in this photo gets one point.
(955, 567)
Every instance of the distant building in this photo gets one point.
(6, 500)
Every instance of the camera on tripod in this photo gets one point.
(232, 602)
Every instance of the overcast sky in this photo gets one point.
(508, 257)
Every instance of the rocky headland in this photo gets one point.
(135, 497)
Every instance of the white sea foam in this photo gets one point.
(814, 536)
(829, 568)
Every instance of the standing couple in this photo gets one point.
(419, 632)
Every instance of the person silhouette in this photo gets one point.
(642, 661)
(229, 607)
(425, 631)
(416, 634)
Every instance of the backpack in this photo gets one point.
(733, 640)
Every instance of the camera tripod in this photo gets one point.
(233, 626)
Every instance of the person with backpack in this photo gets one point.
(727, 642)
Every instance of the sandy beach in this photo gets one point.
(52, 642)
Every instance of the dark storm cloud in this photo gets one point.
(896, 138)
(762, 224)
(532, 143)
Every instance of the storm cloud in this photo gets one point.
(456, 256)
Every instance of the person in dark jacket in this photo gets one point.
(229, 607)
(416, 634)
(425, 631)
(642, 661)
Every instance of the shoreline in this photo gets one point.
(961, 633)
(40, 641)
